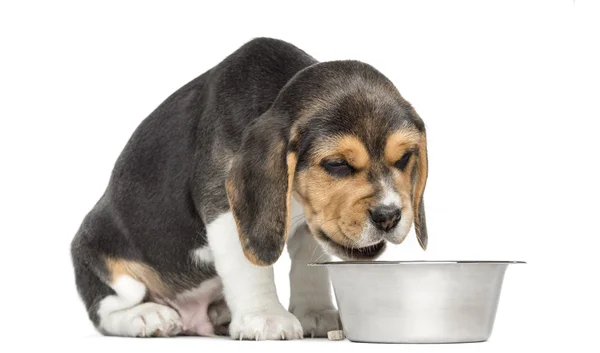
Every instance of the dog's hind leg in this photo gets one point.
(115, 301)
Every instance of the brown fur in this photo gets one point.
(140, 272)
(418, 207)
(348, 147)
(291, 172)
(352, 114)
(251, 256)
(399, 143)
(233, 192)
(337, 206)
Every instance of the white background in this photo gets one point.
(507, 89)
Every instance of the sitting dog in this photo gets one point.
(200, 203)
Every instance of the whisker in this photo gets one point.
(295, 223)
(320, 256)
(313, 252)
(298, 216)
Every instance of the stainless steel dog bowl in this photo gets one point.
(417, 301)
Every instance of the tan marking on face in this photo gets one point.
(347, 147)
(338, 206)
(403, 186)
(399, 142)
(410, 190)
(140, 272)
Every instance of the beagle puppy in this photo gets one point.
(269, 147)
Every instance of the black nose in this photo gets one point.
(385, 218)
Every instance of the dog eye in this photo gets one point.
(338, 168)
(402, 162)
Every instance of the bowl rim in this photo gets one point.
(415, 262)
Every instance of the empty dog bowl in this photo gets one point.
(417, 301)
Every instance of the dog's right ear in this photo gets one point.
(259, 187)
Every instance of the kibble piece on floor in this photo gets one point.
(335, 335)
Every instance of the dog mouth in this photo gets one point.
(351, 253)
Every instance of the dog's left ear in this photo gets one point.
(259, 187)
(420, 179)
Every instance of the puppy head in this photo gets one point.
(349, 148)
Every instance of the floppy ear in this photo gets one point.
(420, 180)
(259, 187)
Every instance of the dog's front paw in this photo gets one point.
(276, 324)
(316, 323)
